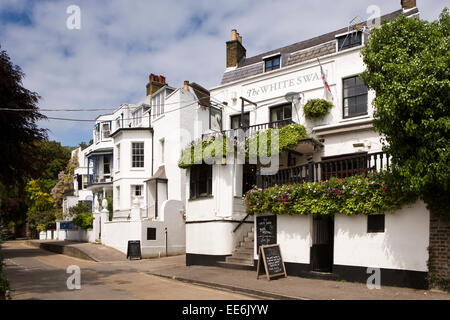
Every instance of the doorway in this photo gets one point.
(248, 177)
(322, 246)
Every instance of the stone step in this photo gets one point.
(243, 255)
(244, 261)
(244, 250)
(246, 244)
(248, 239)
(251, 234)
(240, 266)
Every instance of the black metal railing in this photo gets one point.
(325, 169)
(249, 130)
(96, 179)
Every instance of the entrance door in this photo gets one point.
(322, 247)
(248, 177)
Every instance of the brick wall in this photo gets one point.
(438, 262)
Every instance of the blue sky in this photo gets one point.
(107, 61)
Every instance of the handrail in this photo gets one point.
(241, 222)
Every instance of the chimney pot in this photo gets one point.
(186, 85)
(155, 83)
(234, 34)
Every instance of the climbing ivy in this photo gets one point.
(204, 150)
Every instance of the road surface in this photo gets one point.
(38, 274)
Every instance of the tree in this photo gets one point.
(50, 159)
(408, 66)
(41, 213)
(19, 128)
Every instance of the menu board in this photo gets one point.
(270, 257)
(266, 230)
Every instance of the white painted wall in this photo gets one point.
(402, 246)
(116, 234)
(294, 237)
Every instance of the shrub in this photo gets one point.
(316, 108)
(84, 220)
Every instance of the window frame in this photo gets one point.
(353, 96)
(271, 108)
(376, 223)
(234, 116)
(198, 172)
(137, 155)
(351, 45)
(272, 59)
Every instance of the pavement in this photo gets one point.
(37, 274)
(244, 282)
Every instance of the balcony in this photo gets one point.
(249, 130)
(96, 179)
(324, 170)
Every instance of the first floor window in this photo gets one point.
(137, 149)
(118, 156)
(200, 181)
(236, 120)
(279, 113)
(355, 97)
(137, 190)
(106, 165)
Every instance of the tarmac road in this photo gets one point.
(38, 274)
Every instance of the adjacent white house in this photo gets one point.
(269, 90)
(133, 160)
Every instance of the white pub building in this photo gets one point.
(269, 90)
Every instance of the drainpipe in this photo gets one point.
(165, 230)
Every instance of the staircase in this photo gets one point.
(242, 256)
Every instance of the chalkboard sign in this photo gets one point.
(270, 257)
(134, 249)
(266, 230)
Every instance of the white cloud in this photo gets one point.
(107, 62)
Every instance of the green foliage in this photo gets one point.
(52, 158)
(110, 207)
(80, 207)
(41, 213)
(4, 283)
(81, 216)
(316, 108)
(408, 66)
(205, 149)
(83, 220)
(376, 193)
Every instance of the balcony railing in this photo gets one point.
(96, 179)
(324, 170)
(249, 130)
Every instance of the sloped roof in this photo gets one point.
(254, 65)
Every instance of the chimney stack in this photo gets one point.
(235, 49)
(186, 85)
(408, 4)
(155, 83)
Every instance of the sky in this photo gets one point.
(120, 42)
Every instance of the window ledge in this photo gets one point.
(202, 198)
(159, 117)
(137, 169)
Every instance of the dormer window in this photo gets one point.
(349, 40)
(272, 63)
(106, 129)
(137, 117)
